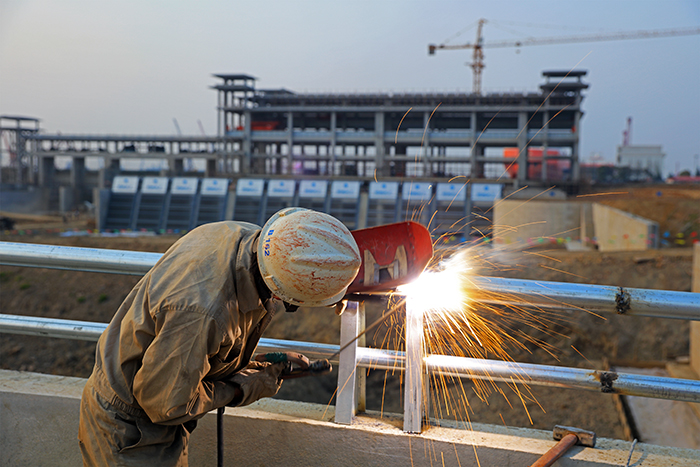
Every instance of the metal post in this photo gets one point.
(414, 370)
(361, 378)
(348, 387)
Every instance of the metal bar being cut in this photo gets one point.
(492, 290)
(458, 367)
(591, 298)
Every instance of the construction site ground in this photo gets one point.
(577, 339)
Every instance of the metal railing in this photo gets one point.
(635, 302)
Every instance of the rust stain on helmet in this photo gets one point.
(307, 257)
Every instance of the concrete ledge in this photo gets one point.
(39, 425)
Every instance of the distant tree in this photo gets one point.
(684, 173)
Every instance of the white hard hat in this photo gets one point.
(307, 258)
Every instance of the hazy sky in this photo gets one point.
(130, 67)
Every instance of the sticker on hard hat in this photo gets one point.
(266, 246)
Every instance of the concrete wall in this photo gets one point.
(518, 223)
(617, 230)
(521, 223)
(695, 325)
(39, 425)
(29, 201)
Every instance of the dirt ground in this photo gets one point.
(579, 338)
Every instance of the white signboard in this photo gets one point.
(154, 185)
(127, 185)
(250, 187)
(452, 192)
(486, 192)
(415, 191)
(383, 190)
(280, 188)
(214, 187)
(345, 190)
(313, 189)
(184, 186)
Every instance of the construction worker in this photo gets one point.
(181, 343)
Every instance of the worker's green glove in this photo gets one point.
(257, 380)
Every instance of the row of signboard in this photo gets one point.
(178, 185)
(415, 191)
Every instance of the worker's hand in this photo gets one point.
(257, 380)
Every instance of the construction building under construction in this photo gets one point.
(417, 146)
(433, 135)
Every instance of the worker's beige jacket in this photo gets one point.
(192, 321)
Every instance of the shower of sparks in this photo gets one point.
(458, 322)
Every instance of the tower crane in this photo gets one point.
(477, 64)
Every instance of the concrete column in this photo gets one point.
(211, 168)
(31, 162)
(220, 116)
(379, 142)
(575, 169)
(247, 145)
(545, 146)
(47, 171)
(176, 165)
(426, 145)
(290, 140)
(331, 170)
(477, 168)
(695, 325)
(107, 173)
(399, 167)
(522, 147)
(77, 179)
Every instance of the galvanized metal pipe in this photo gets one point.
(135, 263)
(540, 375)
(449, 366)
(91, 331)
(492, 290)
(51, 327)
(592, 298)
